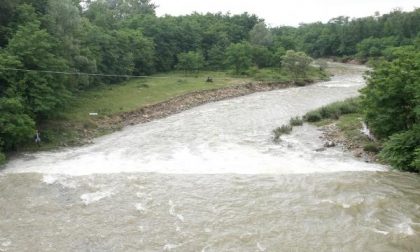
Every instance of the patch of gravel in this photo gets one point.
(332, 134)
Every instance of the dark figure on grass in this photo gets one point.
(38, 138)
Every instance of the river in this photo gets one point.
(211, 179)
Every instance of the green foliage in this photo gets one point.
(391, 99)
(375, 47)
(343, 36)
(278, 132)
(2, 158)
(333, 111)
(190, 61)
(260, 35)
(34, 49)
(416, 162)
(313, 116)
(296, 121)
(297, 63)
(239, 56)
(322, 64)
(372, 147)
(261, 56)
(16, 126)
(391, 103)
(402, 150)
(278, 56)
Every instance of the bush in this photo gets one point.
(2, 158)
(313, 116)
(416, 162)
(349, 106)
(285, 129)
(333, 111)
(372, 147)
(402, 150)
(296, 121)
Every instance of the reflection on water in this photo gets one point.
(210, 179)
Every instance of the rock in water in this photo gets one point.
(329, 144)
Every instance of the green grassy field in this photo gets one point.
(136, 93)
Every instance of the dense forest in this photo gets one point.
(39, 38)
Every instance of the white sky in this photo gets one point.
(286, 12)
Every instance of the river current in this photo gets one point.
(211, 179)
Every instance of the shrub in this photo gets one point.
(416, 162)
(300, 82)
(296, 121)
(285, 129)
(371, 147)
(402, 150)
(349, 106)
(333, 111)
(2, 158)
(313, 116)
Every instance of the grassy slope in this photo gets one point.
(137, 93)
(69, 127)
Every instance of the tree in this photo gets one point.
(278, 56)
(391, 99)
(216, 57)
(16, 126)
(260, 35)
(261, 56)
(391, 102)
(190, 61)
(297, 63)
(239, 56)
(375, 47)
(42, 93)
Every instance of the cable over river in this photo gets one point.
(211, 179)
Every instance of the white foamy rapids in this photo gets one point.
(4, 243)
(170, 247)
(63, 180)
(89, 198)
(295, 155)
(232, 136)
(140, 207)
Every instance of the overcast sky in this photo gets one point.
(289, 12)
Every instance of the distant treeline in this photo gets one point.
(361, 37)
(125, 37)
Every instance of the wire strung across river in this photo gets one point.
(95, 74)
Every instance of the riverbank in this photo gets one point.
(109, 109)
(347, 132)
(342, 125)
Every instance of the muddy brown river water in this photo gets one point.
(210, 179)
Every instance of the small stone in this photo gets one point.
(329, 144)
(320, 149)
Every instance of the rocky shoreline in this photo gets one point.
(333, 136)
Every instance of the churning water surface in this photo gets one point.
(210, 179)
